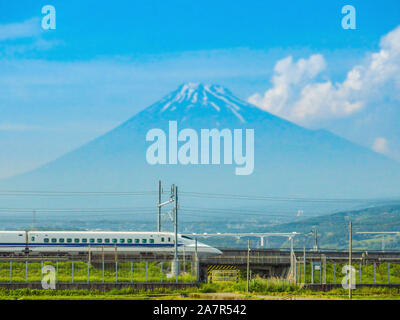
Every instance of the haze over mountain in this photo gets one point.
(289, 160)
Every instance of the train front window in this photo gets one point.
(186, 237)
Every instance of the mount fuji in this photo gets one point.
(289, 160)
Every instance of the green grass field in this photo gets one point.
(259, 289)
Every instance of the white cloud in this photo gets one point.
(27, 29)
(380, 145)
(298, 95)
(288, 75)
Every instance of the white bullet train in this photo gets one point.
(98, 241)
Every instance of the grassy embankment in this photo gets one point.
(259, 288)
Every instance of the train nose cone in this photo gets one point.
(216, 251)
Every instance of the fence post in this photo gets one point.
(161, 271)
(131, 272)
(147, 268)
(312, 272)
(116, 271)
(102, 263)
(360, 269)
(320, 274)
(88, 272)
(26, 271)
(191, 272)
(72, 272)
(10, 271)
(41, 270)
(388, 273)
(299, 276)
(57, 272)
(334, 273)
(374, 272)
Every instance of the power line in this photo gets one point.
(74, 193)
(190, 194)
(274, 198)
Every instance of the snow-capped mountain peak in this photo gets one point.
(212, 98)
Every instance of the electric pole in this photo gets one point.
(159, 207)
(248, 265)
(315, 247)
(292, 267)
(176, 231)
(350, 250)
(173, 198)
(304, 262)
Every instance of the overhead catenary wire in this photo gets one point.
(193, 194)
(74, 193)
(293, 199)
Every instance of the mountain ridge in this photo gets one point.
(289, 159)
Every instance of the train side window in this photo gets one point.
(107, 240)
(151, 240)
(162, 239)
(91, 240)
(76, 240)
(99, 240)
(69, 240)
(32, 238)
(84, 240)
(114, 240)
(137, 240)
(144, 240)
(61, 240)
(121, 240)
(54, 240)
(129, 240)
(46, 240)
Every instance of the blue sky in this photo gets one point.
(107, 60)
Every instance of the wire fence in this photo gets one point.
(327, 271)
(97, 271)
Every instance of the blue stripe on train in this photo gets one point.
(6, 244)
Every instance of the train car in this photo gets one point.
(12, 241)
(95, 241)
